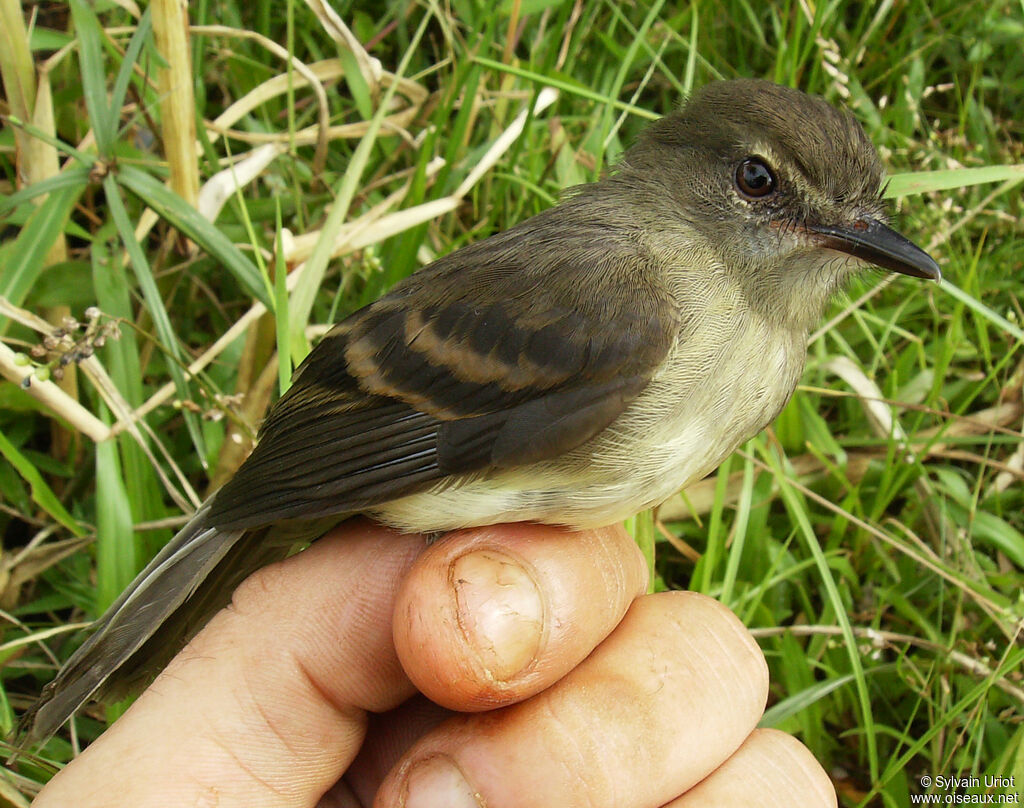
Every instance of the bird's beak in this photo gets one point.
(872, 241)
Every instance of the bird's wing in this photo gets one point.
(476, 362)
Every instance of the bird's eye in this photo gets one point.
(754, 178)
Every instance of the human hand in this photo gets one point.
(300, 694)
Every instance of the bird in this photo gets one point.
(575, 369)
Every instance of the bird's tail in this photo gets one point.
(167, 603)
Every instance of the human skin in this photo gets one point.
(561, 684)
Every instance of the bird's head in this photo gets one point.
(781, 188)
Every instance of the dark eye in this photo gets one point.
(754, 178)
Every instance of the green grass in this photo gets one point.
(880, 563)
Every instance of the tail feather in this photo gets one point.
(161, 589)
(251, 551)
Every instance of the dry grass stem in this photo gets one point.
(177, 100)
(321, 134)
(336, 28)
(52, 397)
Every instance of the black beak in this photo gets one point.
(872, 241)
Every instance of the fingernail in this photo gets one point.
(500, 611)
(438, 783)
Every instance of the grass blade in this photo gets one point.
(155, 305)
(41, 231)
(189, 221)
(42, 494)
(94, 82)
(923, 182)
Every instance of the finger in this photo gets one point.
(267, 705)
(772, 770)
(388, 736)
(512, 592)
(668, 697)
(491, 616)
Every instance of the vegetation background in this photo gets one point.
(158, 182)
